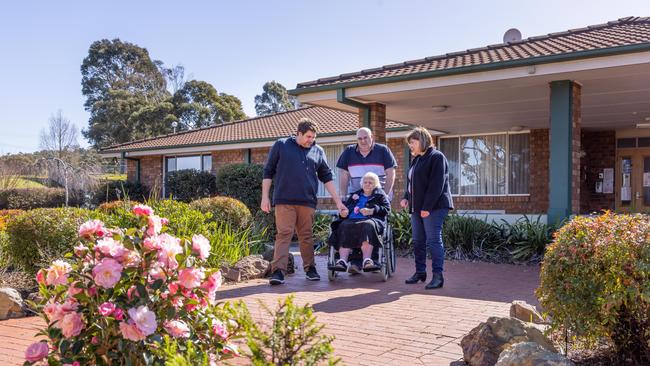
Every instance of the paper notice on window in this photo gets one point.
(626, 193)
(646, 179)
(608, 180)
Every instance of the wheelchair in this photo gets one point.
(384, 255)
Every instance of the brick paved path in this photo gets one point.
(375, 323)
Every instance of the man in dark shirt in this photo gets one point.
(297, 164)
(357, 160)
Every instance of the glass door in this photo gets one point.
(633, 180)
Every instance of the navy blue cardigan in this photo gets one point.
(429, 183)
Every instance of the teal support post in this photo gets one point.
(560, 165)
(364, 109)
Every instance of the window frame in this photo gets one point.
(507, 162)
(332, 165)
(175, 156)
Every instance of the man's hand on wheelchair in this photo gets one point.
(344, 212)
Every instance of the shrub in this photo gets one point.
(123, 290)
(229, 246)
(527, 239)
(400, 221)
(243, 182)
(263, 226)
(595, 282)
(5, 260)
(293, 339)
(36, 236)
(225, 209)
(468, 237)
(321, 227)
(28, 198)
(189, 184)
(113, 190)
(6, 215)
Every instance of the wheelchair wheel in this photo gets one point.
(331, 275)
(385, 271)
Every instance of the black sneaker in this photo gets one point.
(277, 278)
(311, 274)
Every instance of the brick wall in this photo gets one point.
(377, 121)
(537, 200)
(226, 157)
(150, 172)
(600, 153)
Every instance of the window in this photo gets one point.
(332, 152)
(488, 165)
(198, 162)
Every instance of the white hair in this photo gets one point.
(374, 177)
(366, 130)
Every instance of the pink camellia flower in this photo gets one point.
(154, 225)
(177, 329)
(94, 340)
(92, 291)
(212, 284)
(73, 289)
(131, 258)
(131, 332)
(201, 246)
(164, 220)
(92, 227)
(144, 319)
(106, 308)
(57, 274)
(173, 288)
(36, 351)
(157, 272)
(169, 248)
(142, 210)
(191, 277)
(219, 329)
(129, 293)
(107, 273)
(71, 325)
(80, 250)
(110, 247)
(40, 277)
(231, 349)
(118, 314)
(151, 243)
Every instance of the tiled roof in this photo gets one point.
(623, 32)
(271, 127)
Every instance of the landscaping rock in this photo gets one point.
(268, 256)
(231, 274)
(531, 354)
(525, 312)
(11, 304)
(483, 345)
(252, 266)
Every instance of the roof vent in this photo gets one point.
(512, 35)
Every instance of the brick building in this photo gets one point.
(553, 125)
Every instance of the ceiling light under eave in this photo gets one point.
(439, 108)
(643, 125)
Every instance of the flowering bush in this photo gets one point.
(595, 282)
(122, 290)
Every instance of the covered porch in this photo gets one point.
(557, 134)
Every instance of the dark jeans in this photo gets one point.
(427, 234)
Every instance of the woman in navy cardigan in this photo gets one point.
(429, 200)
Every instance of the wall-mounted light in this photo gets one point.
(440, 108)
(516, 128)
(643, 125)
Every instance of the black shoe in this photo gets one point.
(341, 266)
(277, 278)
(417, 277)
(311, 274)
(436, 282)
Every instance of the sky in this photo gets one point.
(237, 46)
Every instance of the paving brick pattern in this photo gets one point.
(375, 323)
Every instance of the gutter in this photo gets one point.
(137, 166)
(365, 110)
(611, 51)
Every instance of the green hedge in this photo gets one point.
(225, 209)
(28, 198)
(39, 236)
(189, 184)
(114, 190)
(243, 182)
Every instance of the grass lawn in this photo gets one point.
(113, 177)
(27, 183)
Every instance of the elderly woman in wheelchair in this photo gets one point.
(362, 225)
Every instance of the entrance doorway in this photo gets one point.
(633, 180)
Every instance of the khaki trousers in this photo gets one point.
(288, 218)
